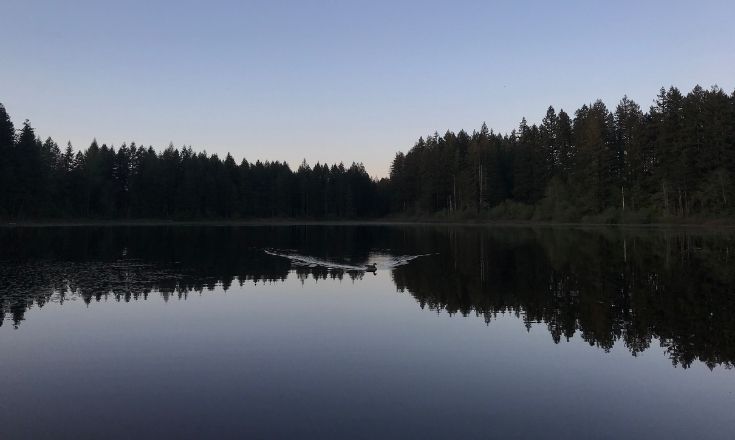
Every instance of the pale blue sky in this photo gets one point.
(341, 80)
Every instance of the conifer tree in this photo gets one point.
(7, 175)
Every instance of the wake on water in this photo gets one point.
(381, 261)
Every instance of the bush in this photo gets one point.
(510, 210)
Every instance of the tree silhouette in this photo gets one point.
(675, 161)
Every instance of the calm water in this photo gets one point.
(279, 332)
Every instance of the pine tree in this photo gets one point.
(550, 148)
(629, 150)
(7, 162)
(595, 161)
(523, 164)
(565, 150)
(28, 173)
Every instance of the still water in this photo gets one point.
(286, 332)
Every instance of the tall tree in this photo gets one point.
(7, 176)
(629, 152)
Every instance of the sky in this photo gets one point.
(341, 81)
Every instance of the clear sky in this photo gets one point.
(341, 80)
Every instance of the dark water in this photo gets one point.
(279, 332)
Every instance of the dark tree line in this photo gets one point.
(677, 160)
(40, 180)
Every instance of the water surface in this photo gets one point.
(461, 332)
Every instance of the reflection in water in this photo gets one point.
(379, 261)
(608, 285)
(305, 260)
(637, 286)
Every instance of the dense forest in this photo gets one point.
(39, 180)
(676, 161)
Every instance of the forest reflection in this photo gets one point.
(636, 286)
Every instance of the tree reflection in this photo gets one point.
(605, 285)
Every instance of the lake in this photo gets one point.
(287, 332)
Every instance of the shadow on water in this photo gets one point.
(674, 287)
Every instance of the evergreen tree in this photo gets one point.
(629, 152)
(7, 175)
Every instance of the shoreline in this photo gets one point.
(712, 224)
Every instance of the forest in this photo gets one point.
(673, 162)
